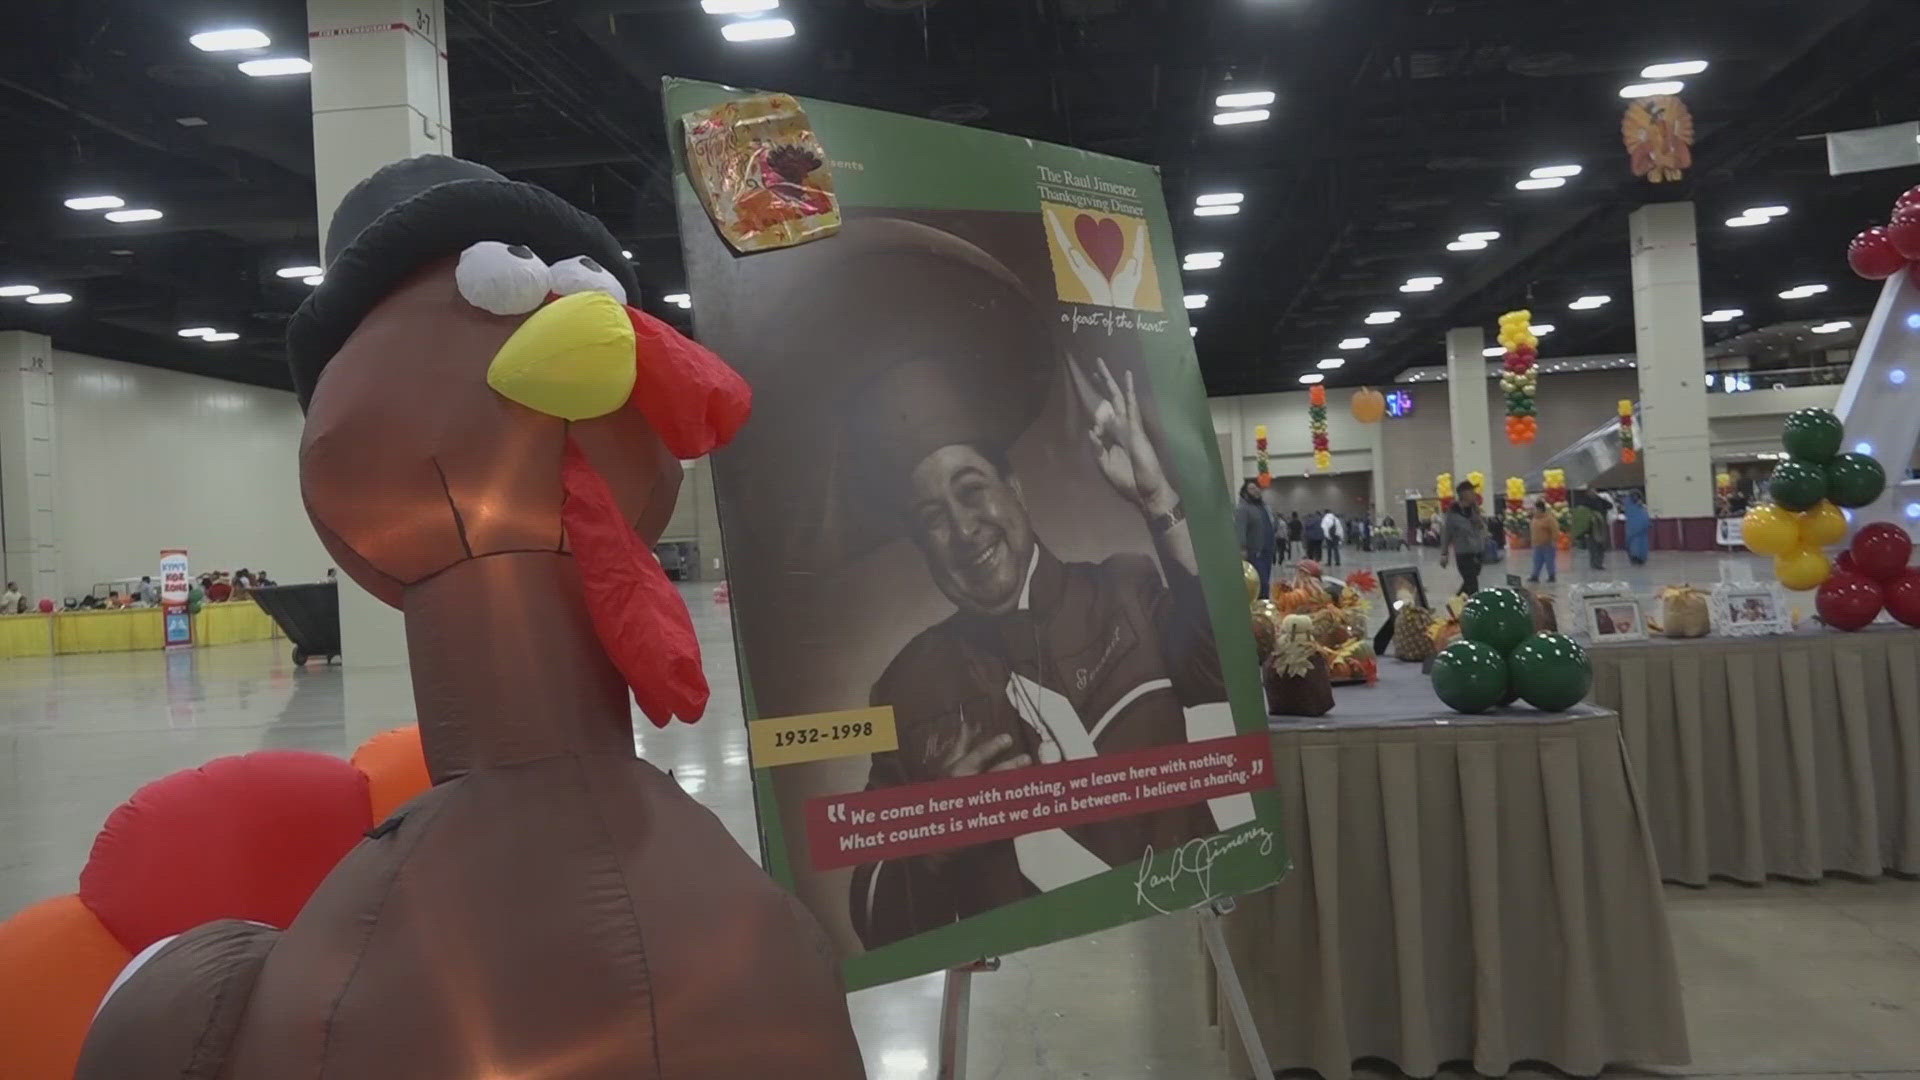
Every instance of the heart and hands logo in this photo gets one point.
(1100, 258)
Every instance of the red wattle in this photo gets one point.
(639, 616)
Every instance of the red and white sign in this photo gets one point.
(176, 588)
(915, 819)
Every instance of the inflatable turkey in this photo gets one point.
(493, 441)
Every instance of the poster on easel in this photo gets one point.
(176, 586)
(994, 646)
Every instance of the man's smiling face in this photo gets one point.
(972, 527)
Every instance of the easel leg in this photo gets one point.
(1230, 982)
(955, 1001)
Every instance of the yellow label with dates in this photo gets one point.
(790, 740)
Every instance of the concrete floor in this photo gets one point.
(1787, 980)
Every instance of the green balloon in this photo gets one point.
(1470, 676)
(1854, 480)
(1812, 435)
(1501, 618)
(1552, 671)
(1798, 485)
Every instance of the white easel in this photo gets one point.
(956, 999)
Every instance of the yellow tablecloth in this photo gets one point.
(127, 631)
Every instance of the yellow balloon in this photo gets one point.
(1769, 530)
(1252, 578)
(1802, 569)
(1822, 525)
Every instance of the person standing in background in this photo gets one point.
(149, 592)
(1463, 532)
(10, 600)
(1545, 530)
(1334, 532)
(1316, 536)
(1639, 528)
(1253, 523)
(1296, 535)
(1599, 532)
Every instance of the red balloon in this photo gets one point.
(1902, 596)
(1845, 562)
(1848, 601)
(1881, 550)
(1911, 198)
(1873, 256)
(1904, 231)
(46, 606)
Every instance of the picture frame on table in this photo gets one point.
(1580, 601)
(1402, 579)
(1748, 609)
(1614, 618)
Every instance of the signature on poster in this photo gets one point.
(1166, 884)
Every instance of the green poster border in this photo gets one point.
(917, 146)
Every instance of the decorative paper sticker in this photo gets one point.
(760, 173)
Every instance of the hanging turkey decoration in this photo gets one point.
(1317, 424)
(1519, 380)
(1658, 133)
(1627, 452)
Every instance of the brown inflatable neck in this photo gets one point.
(506, 666)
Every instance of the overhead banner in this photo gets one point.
(994, 644)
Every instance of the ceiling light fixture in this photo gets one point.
(1652, 89)
(737, 7)
(1355, 342)
(225, 335)
(1765, 211)
(1541, 329)
(95, 202)
(1312, 377)
(1241, 116)
(1245, 99)
(1195, 301)
(1833, 327)
(1488, 235)
(239, 37)
(625, 254)
(1421, 284)
(1331, 363)
(1382, 318)
(1193, 331)
(125, 216)
(1494, 350)
(1219, 198)
(18, 290)
(1722, 315)
(1540, 183)
(50, 298)
(757, 30)
(678, 299)
(1467, 245)
(1556, 172)
(314, 279)
(1215, 211)
(1588, 303)
(190, 121)
(1746, 221)
(1801, 292)
(196, 331)
(1675, 70)
(1203, 260)
(274, 66)
(298, 271)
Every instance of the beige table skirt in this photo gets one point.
(1794, 756)
(1463, 890)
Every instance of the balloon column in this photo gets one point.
(1516, 512)
(1723, 490)
(1317, 424)
(1519, 381)
(1627, 453)
(1443, 489)
(1556, 493)
(1809, 489)
(1873, 574)
(1883, 251)
(1499, 658)
(1262, 476)
(1368, 405)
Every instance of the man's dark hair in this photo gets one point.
(1464, 485)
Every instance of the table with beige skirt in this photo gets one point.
(1465, 889)
(1793, 756)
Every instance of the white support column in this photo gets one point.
(1672, 364)
(1467, 403)
(379, 96)
(30, 556)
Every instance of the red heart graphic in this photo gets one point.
(1101, 240)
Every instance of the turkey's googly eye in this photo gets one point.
(505, 279)
(582, 274)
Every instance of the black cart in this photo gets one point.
(308, 614)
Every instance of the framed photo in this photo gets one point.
(1402, 582)
(1581, 598)
(1615, 618)
(1748, 610)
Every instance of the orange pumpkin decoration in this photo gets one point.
(1368, 405)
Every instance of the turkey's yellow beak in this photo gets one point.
(573, 358)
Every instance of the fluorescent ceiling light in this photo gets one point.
(1552, 172)
(190, 121)
(757, 30)
(124, 216)
(239, 37)
(196, 331)
(1722, 315)
(1488, 235)
(1746, 221)
(1541, 329)
(298, 271)
(1196, 300)
(1382, 318)
(1193, 331)
(1540, 183)
(1219, 198)
(1245, 99)
(278, 65)
(625, 254)
(1675, 70)
(223, 336)
(313, 279)
(737, 7)
(1243, 116)
(1801, 292)
(1312, 377)
(1331, 363)
(1588, 303)
(1652, 89)
(1203, 260)
(1494, 350)
(1355, 342)
(1467, 245)
(678, 299)
(49, 298)
(1421, 284)
(18, 290)
(1833, 327)
(95, 202)
(1215, 211)
(1765, 211)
